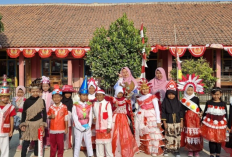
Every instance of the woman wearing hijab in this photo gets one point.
(125, 77)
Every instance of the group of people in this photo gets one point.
(143, 116)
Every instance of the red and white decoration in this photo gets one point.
(47, 52)
(144, 64)
(93, 82)
(192, 80)
(171, 85)
(180, 50)
(197, 51)
(229, 50)
(100, 91)
(144, 83)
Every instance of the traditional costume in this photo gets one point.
(6, 112)
(103, 114)
(192, 122)
(34, 115)
(123, 142)
(148, 135)
(172, 113)
(69, 104)
(47, 97)
(82, 120)
(57, 126)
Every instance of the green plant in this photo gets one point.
(1, 24)
(117, 47)
(199, 67)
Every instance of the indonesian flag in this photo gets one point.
(144, 64)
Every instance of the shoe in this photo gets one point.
(30, 149)
(165, 153)
(217, 155)
(153, 155)
(196, 154)
(19, 148)
(211, 156)
(190, 154)
(177, 154)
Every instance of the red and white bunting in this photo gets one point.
(144, 57)
(180, 50)
(156, 48)
(28, 53)
(77, 52)
(13, 53)
(197, 51)
(229, 50)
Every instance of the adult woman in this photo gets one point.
(159, 83)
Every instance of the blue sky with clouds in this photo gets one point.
(87, 1)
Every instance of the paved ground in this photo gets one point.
(183, 152)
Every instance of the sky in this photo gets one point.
(89, 1)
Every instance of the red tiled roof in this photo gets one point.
(72, 25)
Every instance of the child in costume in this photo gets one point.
(103, 117)
(7, 113)
(192, 121)
(58, 115)
(82, 119)
(47, 97)
(18, 102)
(34, 116)
(172, 116)
(123, 142)
(67, 91)
(214, 123)
(148, 124)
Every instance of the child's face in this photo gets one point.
(20, 93)
(91, 90)
(100, 96)
(120, 95)
(145, 91)
(56, 98)
(83, 97)
(5, 99)
(171, 96)
(45, 87)
(217, 95)
(35, 92)
(190, 91)
(67, 95)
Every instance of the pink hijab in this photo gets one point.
(159, 85)
(130, 78)
(17, 89)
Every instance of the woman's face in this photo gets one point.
(158, 75)
(125, 73)
(190, 91)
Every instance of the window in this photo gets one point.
(226, 69)
(55, 67)
(87, 70)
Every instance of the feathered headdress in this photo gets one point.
(143, 84)
(192, 80)
(93, 82)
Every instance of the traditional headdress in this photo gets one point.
(93, 82)
(35, 84)
(84, 87)
(191, 80)
(101, 91)
(171, 85)
(143, 84)
(45, 80)
(5, 90)
(56, 90)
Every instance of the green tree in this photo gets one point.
(199, 67)
(1, 24)
(117, 47)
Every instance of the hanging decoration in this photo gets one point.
(78, 53)
(62, 53)
(45, 53)
(13, 53)
(180, 50)
(197, 51)
(28, 53)
(229, 50)
(156, 48)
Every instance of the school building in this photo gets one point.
(52, 39)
